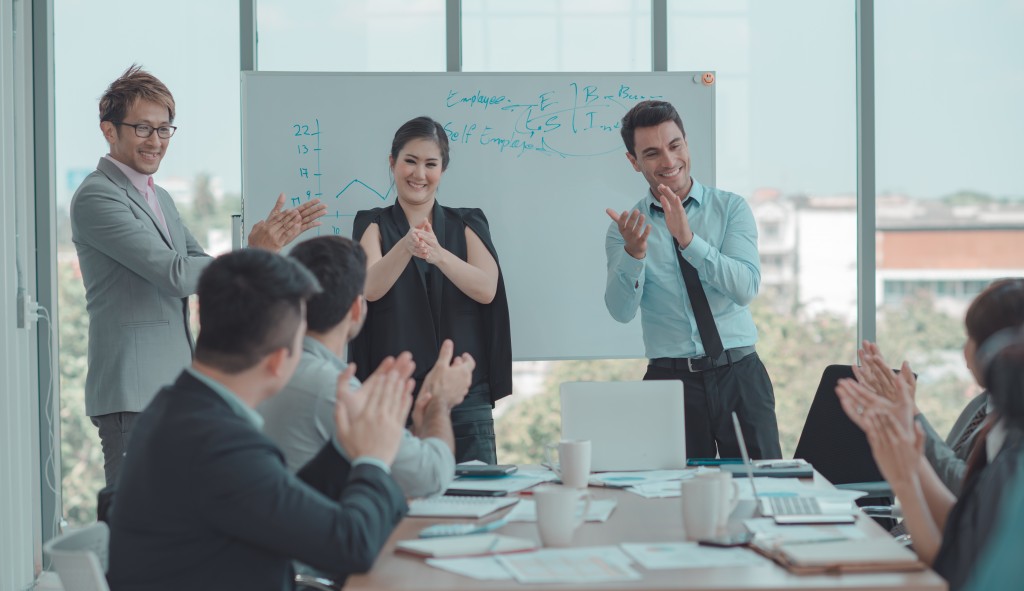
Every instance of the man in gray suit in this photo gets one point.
(140, 263)
(949, 456)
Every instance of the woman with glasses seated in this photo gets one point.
(433, 274)
(948, 533)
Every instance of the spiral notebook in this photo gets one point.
(442, 506)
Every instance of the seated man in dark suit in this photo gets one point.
(205, 500)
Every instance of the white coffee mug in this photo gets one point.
(573, 466)
(728, 494)
(558, 513)
(701, 507)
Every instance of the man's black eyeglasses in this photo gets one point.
(143, 130)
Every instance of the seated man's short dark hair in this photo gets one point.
(250, 305)
(339, 264)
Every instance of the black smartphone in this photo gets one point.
(485, 469)
(729, 541)
(468, 492)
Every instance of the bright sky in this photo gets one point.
(949, 76)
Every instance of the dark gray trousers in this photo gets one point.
(115, 430)
(710, 398)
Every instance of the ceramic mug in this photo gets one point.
(558, 513)
(573, 466)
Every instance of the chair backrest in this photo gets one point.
(830, 441)
(80, 558)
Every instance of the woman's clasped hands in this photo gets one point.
(423, 244)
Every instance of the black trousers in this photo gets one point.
(115, 430)
(711, 396)
(473, 427)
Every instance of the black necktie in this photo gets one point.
(698, 299)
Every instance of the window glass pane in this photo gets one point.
(786, 140)
(351, 36)
(556, 35)
(193, 49)
(552, 36)
(950, 214)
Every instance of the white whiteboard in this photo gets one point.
(540, 154)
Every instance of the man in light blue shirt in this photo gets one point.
(691, 267)
(300, 418)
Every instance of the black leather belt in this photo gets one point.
(703, 363)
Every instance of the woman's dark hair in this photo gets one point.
(998, 306)
(1001, 361)
(421, 128)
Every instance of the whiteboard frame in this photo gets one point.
(707, 154)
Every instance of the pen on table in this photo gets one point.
(494, 544)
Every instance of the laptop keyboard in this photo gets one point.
(793, 505)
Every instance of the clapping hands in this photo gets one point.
(370, 421)
(422, 243)
(284, 225)
(881, 403)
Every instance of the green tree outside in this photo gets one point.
(795, 353)
(794, 349)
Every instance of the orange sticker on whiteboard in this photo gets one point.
(708, 78)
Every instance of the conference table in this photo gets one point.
(637, 520)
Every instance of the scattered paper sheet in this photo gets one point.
(626, 479)
(691, 555)
(657, 490)
(599, 564)
(768, 533)
(460, 546)
(482, 568)
(538, 472)
(600, 510)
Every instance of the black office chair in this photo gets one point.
(839, 450)
(830, 441)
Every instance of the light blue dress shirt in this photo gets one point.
(724, 252)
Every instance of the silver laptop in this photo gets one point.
(789, 509)
(631, 425)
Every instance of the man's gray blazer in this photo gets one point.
(948, 464)
(137, 283)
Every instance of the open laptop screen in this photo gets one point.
(631, 425)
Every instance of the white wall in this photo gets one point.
(19, 513)
(827, 261)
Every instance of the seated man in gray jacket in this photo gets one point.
(299, 418)
(949, 456)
